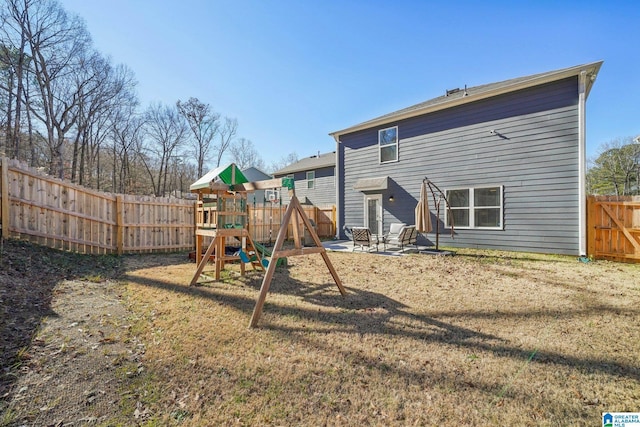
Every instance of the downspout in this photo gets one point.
(582, 161)
(338, 184)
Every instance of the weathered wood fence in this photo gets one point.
(61, 215)
(264, 221)
(613, 228)
(58, 214)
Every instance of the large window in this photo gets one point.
(311, 178)
(388, 142)
(475, 207)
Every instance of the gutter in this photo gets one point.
(338, 186)
(582, 161)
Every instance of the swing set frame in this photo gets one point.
(291, 217)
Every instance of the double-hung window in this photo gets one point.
(479, 207)
(388, 144)
(311, 178)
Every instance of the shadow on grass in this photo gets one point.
(28, 276)
(357, 318)
(364, 312)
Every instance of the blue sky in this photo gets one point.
(293, 71)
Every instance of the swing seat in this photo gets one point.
(246, 259)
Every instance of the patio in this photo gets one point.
(347, 246)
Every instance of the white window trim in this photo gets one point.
(379, 212)
(312, 180)
(471, 208)
(396, 144)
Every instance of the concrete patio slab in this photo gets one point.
(347, 246)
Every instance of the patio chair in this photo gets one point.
(406, 235)
(362, 237)
(394, 230)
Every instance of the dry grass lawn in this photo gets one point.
(481, 338)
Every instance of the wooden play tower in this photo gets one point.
(222, 214)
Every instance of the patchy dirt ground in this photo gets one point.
(71, 353)
(63, 337)
(71, 371)
(67, 354)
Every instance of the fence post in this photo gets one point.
(334, 217)
(119, 225)
(4, 182)
(591, 227)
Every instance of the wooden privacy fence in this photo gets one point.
(264, 221)
(61, 215)
(613, 228)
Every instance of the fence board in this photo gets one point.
(264, 221)
(54, 213)
(61, 215)
(613, 228)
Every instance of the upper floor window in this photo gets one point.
(480, 207)
(388, 144)
(311, 178)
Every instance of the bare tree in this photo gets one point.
(111, 91)
(224, 137)
(181, 174)
(58, 45)
(64, 105)
(6, 97)
(204, 124)
(90, 102)
(14, 63)
(34, 139)
(166, 131)
(283, 162)
(127, 134)
(244, 154)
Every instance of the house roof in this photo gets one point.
(254, 174)
(457, 97)
(227, 174)
(309, 163)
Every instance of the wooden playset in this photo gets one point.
(222, 216)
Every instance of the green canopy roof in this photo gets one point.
(229, 174)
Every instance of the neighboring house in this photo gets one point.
(314, 179)
(510, 156)
(257, 197)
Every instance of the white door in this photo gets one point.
(373, 213)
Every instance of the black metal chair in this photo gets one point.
(362, 237)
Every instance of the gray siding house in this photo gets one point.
(314, 179)
(254, 174)
(510, 156)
